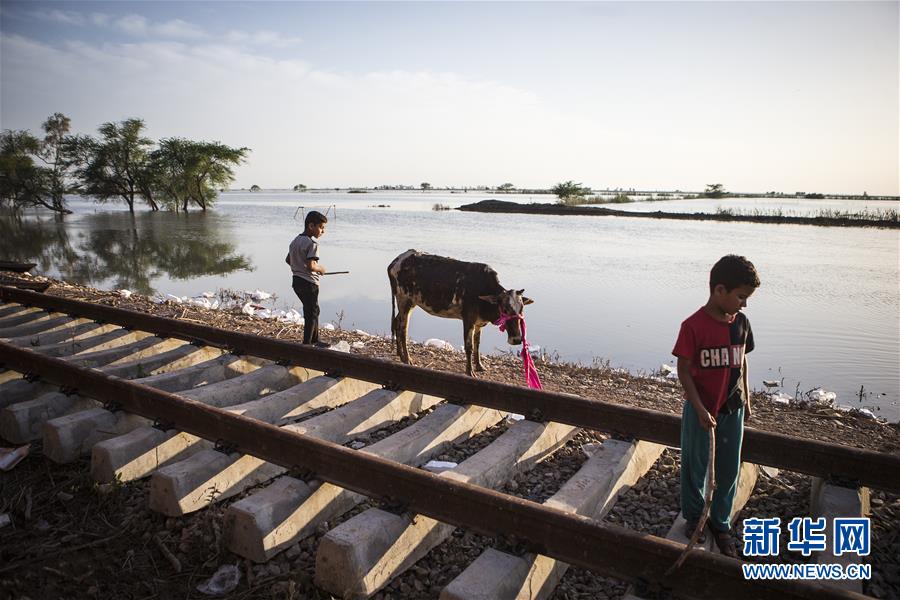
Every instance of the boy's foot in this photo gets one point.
(690, 527)
(725, 542)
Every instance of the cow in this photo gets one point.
(453, 289)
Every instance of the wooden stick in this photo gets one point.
(337, 273)
(173, 560)
(710, 488)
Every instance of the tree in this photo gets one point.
(56, 154)
(715, 190)
(299, 188)
(506, 187)
(425, 186)
(117, 165)
(570, 189)
(255, 188)
(190, 172)
(22, 182)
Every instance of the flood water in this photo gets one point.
(605, 288)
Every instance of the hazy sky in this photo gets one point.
(787, 96)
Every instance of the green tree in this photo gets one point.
(60, 160)
(190, 172)
(425, 186)
(570, 189)
(715, 190)
(117, 165)
(22, 181)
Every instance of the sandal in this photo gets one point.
(690, 527)
(726, 544)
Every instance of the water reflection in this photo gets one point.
(122, 250)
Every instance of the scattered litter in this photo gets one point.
(10, 457)
(844, 407)
(259, 295)
(591, 448)
(224, 581)
(341, 346)
(780, 398)
(358, 445)
(867, 413)
(357, 345)
(822, 397)
(769, 383)
(329, 326)
(4, 520)
(207, 295)
(513, 417)
(667, 368)
(125, 293)
(442, 344)
(362, 333)
(439, 466)
(770, 472)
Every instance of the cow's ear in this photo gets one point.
(491, 299)
(527, 300)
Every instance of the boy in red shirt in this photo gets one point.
(712, 368)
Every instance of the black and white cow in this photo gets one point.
(445, 287)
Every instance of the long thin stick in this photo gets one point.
(337, 273)
(710, 488)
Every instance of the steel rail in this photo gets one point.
(578, 540)
(864, 467)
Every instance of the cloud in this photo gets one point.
(133, 24)
(59, 16)
(100, 19)
(262, 38)
(179, 29)
(139, 26)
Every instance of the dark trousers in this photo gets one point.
(309, 296)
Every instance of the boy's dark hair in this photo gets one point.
(733, 271)
(314, 217)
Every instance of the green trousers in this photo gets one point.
(694, 456)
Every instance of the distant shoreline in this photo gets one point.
(502, 206)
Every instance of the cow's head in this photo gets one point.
(510, 302)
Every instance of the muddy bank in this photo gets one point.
(502, 206)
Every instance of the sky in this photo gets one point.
(758, 96)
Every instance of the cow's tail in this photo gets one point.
(393, 310)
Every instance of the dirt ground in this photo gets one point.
(72, 538)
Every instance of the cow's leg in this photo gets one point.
(469, 340)
(404, 307)
(476, 347)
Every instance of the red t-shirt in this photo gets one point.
(716, 351)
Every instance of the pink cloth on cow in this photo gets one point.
(531, 375)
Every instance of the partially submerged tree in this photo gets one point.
(255, 188)
(299, 188)
(570, 189)
(58, 155)
(425, 186)
(506, 187)
(190, 172)
(22, 182)
(117, 165)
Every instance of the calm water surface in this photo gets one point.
(605, 288)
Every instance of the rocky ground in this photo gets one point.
(71, 538)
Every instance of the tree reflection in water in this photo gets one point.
(122, 250)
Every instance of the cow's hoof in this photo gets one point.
(480, 369)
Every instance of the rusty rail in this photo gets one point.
(864, 467)
(578, 540)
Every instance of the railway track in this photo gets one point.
(214, 417)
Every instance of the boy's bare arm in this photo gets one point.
(748, 411)
(705, 419)
(314, 267)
